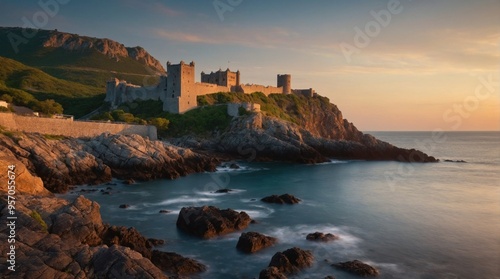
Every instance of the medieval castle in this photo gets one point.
(178, 89)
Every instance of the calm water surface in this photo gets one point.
(409, 220)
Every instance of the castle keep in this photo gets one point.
(178, 90)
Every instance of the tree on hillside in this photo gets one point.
(6, 98)
(160, 123)
(49, 107)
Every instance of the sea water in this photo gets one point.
(437, 220)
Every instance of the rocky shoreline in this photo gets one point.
(65, 162)
(57, 238)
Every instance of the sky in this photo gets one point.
(389, 65)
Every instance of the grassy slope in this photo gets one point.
(27, 84)
(87, 67)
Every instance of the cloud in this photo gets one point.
(153, 7)
(259, 37)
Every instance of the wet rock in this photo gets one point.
(124, 206)
(234, 166)
(271, 273)
(129, 181)
(318, 236)
(176, 264)
(358, 267)
(292, 260)
(210, 221)
(251, 242)
(163, 211)
(106, 193)
(221, 191)
(330, 277)
(455, 161)
(283, 199)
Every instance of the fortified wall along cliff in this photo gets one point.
(178, 89)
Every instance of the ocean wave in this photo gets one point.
(222, 169)
(333, 161)
(213, 193)
(183, 200)
(347, 244)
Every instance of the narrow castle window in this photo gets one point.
(173, 96)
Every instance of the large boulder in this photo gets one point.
(283, 199)
(209, 221)
(176, 264)
(25, 182)
(251, 242)
(318, 236)
(358, 267)
(292, 260)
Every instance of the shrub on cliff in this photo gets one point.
(49, 107)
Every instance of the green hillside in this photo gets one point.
(28, 85)
(88, 67)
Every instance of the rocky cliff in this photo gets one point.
(107, 47)
(61, 163)
(265, 138)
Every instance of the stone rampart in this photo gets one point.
(70, 128)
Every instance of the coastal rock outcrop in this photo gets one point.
(292, 260)
(318, 236)
(26, 183)
(315, 135)
(56, 238)
(283, 199)
(251, 242)
(358, 267)
(209, 221)
(61, 163)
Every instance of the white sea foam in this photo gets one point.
(222, 169)
(347, 244)
(333, 161)
(185, 200)
(212, 193)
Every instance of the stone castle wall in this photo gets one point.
(249, 89)
(208, 88)
(70, 128)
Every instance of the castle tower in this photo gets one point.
(285, 81)
(179, 95)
